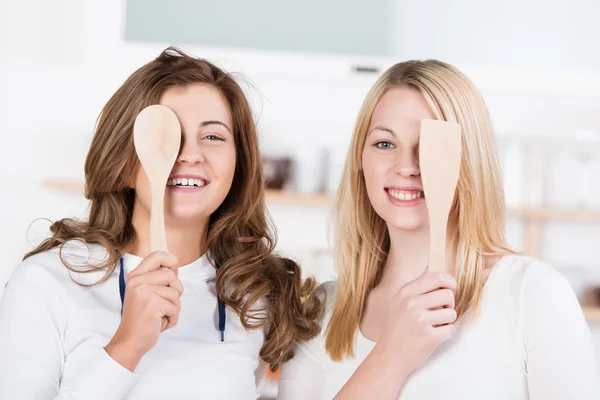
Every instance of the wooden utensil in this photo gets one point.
(439, 161)
(157, 138)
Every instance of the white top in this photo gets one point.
(529, 340)
(52, 334)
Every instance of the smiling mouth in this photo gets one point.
(186, 183)
(406, 195)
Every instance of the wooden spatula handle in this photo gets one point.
(437, 245)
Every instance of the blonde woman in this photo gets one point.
(496, 326)
(81, 316)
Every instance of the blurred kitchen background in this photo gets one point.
(307, 67)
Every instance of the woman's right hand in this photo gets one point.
(420, 317)
(152, 293)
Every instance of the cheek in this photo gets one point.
(142, 188)
(375, 169)
(224, 165)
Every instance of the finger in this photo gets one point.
(160, 277)
(153, 262)
(169, 310)
(429, 282)
(168, 293)
(440, 317)
(437, 299)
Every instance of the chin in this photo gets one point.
(187, 214)
(409, 223)
(408, 227)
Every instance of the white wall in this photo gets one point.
(54, 82)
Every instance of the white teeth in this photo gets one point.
(186, 182)
(412, 195)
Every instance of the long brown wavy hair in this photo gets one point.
(241, 236)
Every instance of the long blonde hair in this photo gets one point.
(362, 240)
(241, 236)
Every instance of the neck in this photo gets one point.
(409, 255)
(185, 240)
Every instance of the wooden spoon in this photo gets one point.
(439, 161)
(157, 138)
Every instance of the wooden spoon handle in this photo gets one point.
(158, 236)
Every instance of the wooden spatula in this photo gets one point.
(157, 138)
(439, 161)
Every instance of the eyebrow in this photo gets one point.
(382, 128)
(206, 123)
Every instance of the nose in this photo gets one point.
(407, 165)
(190, 153)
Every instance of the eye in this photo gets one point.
(384, 144)
(213, 137)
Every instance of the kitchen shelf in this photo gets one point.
(592, 314)
(285, 197)
(71, 186)
(550, 213)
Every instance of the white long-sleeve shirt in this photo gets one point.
(529, 340)
(53, 332)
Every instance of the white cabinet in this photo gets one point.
(332, 26)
